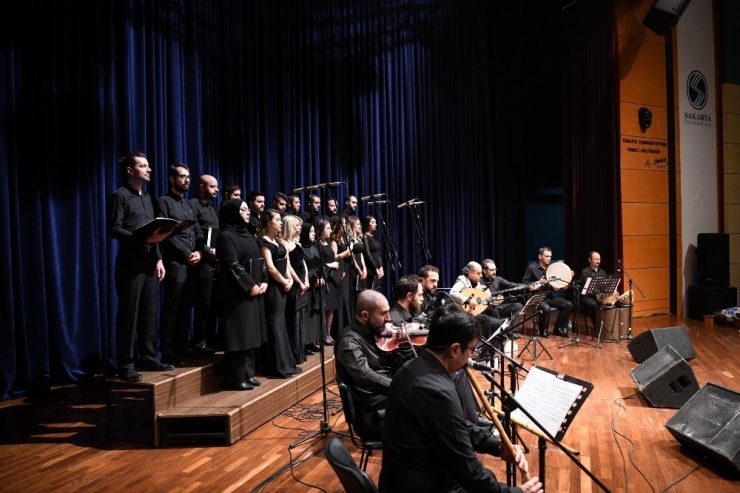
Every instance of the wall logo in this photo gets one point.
(696, 89)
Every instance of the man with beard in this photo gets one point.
(350, 206)
(408, 294)
(204, 325)
(470, 278)
(311, 214)
(231, 191)
(332, 209)
(429, 276)
(280, 203)
(361, 365)
(256, 203)
(501, 309)
(535, 275)
(138, 269)
(181, 257)
(588, 303)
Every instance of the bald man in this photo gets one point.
(361, 364)
(204, 325)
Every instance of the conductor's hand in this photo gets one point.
(532, 486)
(518, 459)
(156, 236)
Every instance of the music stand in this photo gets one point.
(533, 305)
(599, 285)
(577, 336)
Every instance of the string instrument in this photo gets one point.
(411, 334)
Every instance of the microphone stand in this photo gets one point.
(421, 237)
(324, 426)
(631, 282)
(390, 249)
(577, 337)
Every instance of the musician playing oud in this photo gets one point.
(470, 278)
(502, 307)
(536, 273)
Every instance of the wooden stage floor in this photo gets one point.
(57, 443)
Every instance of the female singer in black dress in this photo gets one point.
(242, 314)
(339, 242)
(277, 357)
(316, 280)
(373, 259)
(358, 274)
(331, 266)
(296, 309)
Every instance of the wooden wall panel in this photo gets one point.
(646, 251)
(630, 125)
(732, 219)
(645, 186)
(731, 99)
(649, 307)
(643, 81)
(731, 153)
(644, 219)
(732, 188)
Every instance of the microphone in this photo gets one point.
(410, 202)
(332, 184)
(479, 366)
(378, 202)
(306, 189)
(619, 265)
(376, 196)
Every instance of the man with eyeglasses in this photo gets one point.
(428, 445)
(180, 256)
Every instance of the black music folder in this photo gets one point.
(256, 269)
(281, 265)
(165, 225)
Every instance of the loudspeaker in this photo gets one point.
(649, 342)
(664, 15)
(713, 250)
(666, 379)
(710, 422)
(708, 301)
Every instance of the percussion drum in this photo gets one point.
(558, 275)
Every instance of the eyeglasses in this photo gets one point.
(471, 349)
(184, 177)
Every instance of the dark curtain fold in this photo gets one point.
(590, 81)
(388, 96)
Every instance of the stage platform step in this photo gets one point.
(188, 405)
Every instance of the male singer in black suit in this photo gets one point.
(181, 257)
(138, 270)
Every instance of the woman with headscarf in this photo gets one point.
(277, 357)
(242, 312)
(316, 281)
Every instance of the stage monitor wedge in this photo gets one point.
(664, 14)
(665, 379)
(710, 422)
(650, 342)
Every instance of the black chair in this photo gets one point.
(353, 479)
(350, 416)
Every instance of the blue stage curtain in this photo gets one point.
(402, 97)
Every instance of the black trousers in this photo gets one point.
(206, 301)
(564, 308)
(589, 306)
(176, 316)
(136, 286)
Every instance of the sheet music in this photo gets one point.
(586, 285)
(547, 398)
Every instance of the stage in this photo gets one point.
(61, 441)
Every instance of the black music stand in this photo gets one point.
(532, 306)
(600, 285)
(577, 337)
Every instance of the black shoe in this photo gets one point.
(191, 352)
(253, 381)
(310, 352)
(206, 350)
(171, 359)
(328, 343)
(313, 347)
(544, 335)
(129, 375)
(236, 386)
(156, 365)
(560, 333)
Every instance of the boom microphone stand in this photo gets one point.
(324, 426)
(413, 206)
(632, 301)
(390, 249)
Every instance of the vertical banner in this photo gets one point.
(697, 131)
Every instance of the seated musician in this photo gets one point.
(361, 364)
(588, 303)
(409, 297)
(470, 278)
(502, 308)
(429, 278)
(535, 273)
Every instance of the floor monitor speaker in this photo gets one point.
(650, 342)
(710, 422)
(665, 379)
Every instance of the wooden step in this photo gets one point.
(226, 416)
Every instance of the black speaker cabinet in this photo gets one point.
(713, 250)
(648, 343)
(707, 301)
(710, 422)
(666, 379)
(664, 15)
